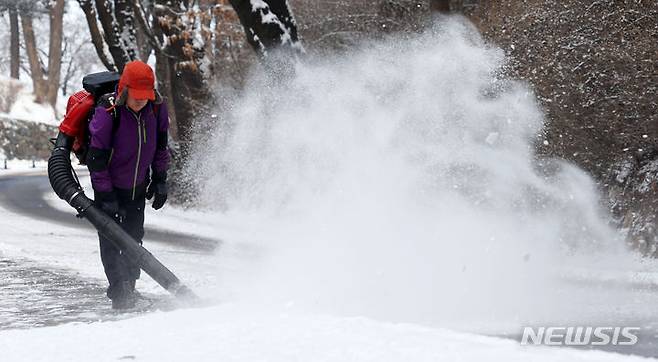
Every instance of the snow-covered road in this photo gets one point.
(51, 276)
(26, 194)
(34, 292)
(34, 296)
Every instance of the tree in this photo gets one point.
(180, 61)
(14, 46)
(36, 69)
(268, 25)
(133, 29)
(125, 28)
(96, 34)
(122, 50)
(184, 36)
(440, 6)
(184, 41)
(78, 57)
(55, 50)
(45, 81)
(330, 26)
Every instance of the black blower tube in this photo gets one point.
(68, 189)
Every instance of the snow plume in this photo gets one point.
(399, 182)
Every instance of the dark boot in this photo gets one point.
(136, 294)
(122, 295)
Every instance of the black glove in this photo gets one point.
(158, 188)
(108, 202)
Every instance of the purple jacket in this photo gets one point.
(133, 146)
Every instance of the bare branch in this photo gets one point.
(96, 35)
(140, 15)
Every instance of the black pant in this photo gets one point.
(118, 267)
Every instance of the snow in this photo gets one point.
(233, 333)
(21, 167)
(25, 109)
(384, 211)
(232, 326)
(268, 17)
(233, 329)
(172, 219)
(258, 5)
(21, 105)
(394, 189)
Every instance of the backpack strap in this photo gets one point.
(156, 112)
(162, 138)
(98, 159)
(108, 101)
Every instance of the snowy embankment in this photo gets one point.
(18, 99)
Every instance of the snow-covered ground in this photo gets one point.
(235, 333)
(228, 327)
(20, 167)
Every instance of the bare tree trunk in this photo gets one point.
(15, 60)
(441, 6)
(229, 58)
(190, 94)
(125, 21)
(206, 32)
(268, 27)
(111, 32)
(143, 46)
(153, 35)
(38, 83)
(96, 35)
(55, 51)
(163, 73)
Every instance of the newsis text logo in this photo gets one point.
(580, 336)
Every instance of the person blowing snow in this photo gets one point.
(128, 161)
